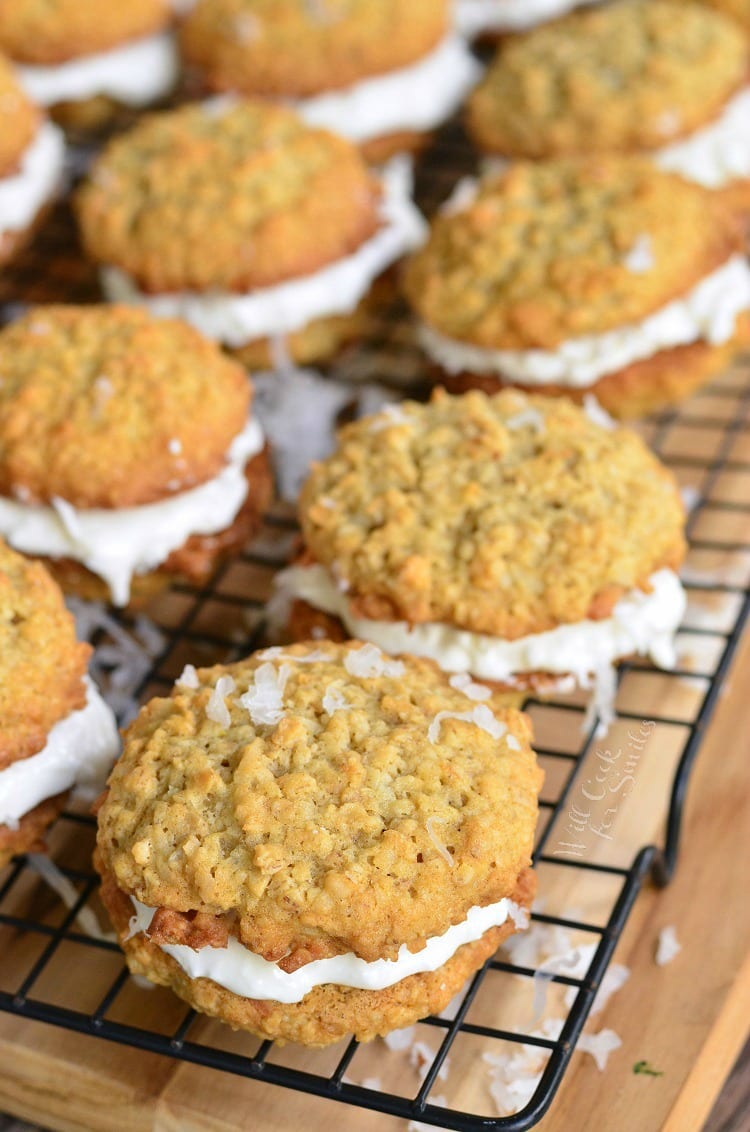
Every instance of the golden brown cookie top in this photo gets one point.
(53, 31)
(21, 119)
(626, 76)
(42, 665)
(506, 515)
(297, 48)
(106, 406)
(739, 10)
(322, 799)
(544, 252)
(233, 196)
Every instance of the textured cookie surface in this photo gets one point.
(625, 76)
(21, 120)
(355, 818)
(53, 31)
(506, 515)
(108, 407)
(298, 47)
(544, 252)
(42, 665)
(739, 10)
(234, 197)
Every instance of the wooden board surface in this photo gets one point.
(688, 1020)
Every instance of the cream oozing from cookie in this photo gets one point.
(473, 17)
(135, 74)
(271, 311)
(242, 972)
(707, 313)
(642, 623)
(718, 154)
(415, 98)
(39, 174)
(118, 543)
(79, 751)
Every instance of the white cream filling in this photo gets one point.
(282, 309)
(642, 623)
(118, 543)
(707, 313)
(79, 751)
(473, 17)
(249, 975)
(135, 74)
(25, 191)
(719, 153)
(418, 97)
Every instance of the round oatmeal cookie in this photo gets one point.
(506, 515)
(298, 48)
(54, 31)
(544, 253)
(233, 196)
(21, 120)
(42, 665)
(106, 406)
(304, 832)
(566, 89)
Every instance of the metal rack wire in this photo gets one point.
(707, 442)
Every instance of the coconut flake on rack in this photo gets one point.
(265, 699)
(122, 661)
(480, 716)
(216, 708)
(335, 289)
(368, 661)
(463, 682)
(667, 946)
(69, 894)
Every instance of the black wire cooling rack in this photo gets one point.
(43, 939)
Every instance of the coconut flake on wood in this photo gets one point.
(480, 716)
(600, 1046)
(667, 946)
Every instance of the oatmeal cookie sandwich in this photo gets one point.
(381, 72)
(56, 732)
(84, 58)
(129, 454)
(318, 841)
(665, 78)
(606, 276)
(32, 153)
(247, 223)
(512, 538)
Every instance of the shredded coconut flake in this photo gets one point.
(480, 716)
(462, 682)
(265, 699)
(419, 1125)
(399, 1040)
(667, 947)
(216, 708)
(188, 678)
(175, 446)
(514, 1077)
(640, 258)
(334, 701)
(373, 1083)
(369, 661)
(69, 895)
(276, 652)
(597, 414)
(388, 416)
(602, 702)
(441, 848)
(527, 418)
(600, 1046)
